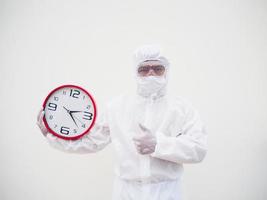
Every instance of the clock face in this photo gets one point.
(70, 112)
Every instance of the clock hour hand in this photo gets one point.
(75, 111)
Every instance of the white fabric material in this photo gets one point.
(165, 190)
(181, 137)
(149, 52)
(98, 138)
(151, 85)
(176, 126)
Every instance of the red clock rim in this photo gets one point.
(87, 130)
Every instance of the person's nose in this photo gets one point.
(151, 72)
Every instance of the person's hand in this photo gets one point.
(145, 142)
(40, 122)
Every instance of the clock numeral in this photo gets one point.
(83, 125)
(56, 98)
(74, 93)
(64, 92)
(64, 130)
(52, 106)
(87, 115)
(83, 97)
(74, 131)
(88, 107)
(55, 126)
(51, 117)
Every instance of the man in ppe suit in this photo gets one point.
(153, 134)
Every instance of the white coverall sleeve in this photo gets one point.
(97, 139)
(189, 146)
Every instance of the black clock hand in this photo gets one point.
(71, 111)
(73, 119)
(66, 109)
(70, 115)
(75, 111)
(78, 120)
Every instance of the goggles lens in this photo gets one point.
(144, 70)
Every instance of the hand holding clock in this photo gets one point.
(40, 122)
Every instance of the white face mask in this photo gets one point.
(156, 85)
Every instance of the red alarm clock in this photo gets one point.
(70, 112)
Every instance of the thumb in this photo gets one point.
(143, 128)
(40, 116)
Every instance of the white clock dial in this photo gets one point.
(70, 112)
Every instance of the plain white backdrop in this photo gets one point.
(218, 55)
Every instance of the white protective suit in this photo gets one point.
(179, 133)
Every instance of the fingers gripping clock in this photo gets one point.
(70, 112)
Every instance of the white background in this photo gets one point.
(218, 55)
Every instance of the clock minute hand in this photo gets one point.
(73, 119)
(79, 120)
(70, 115)
(76, 111)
